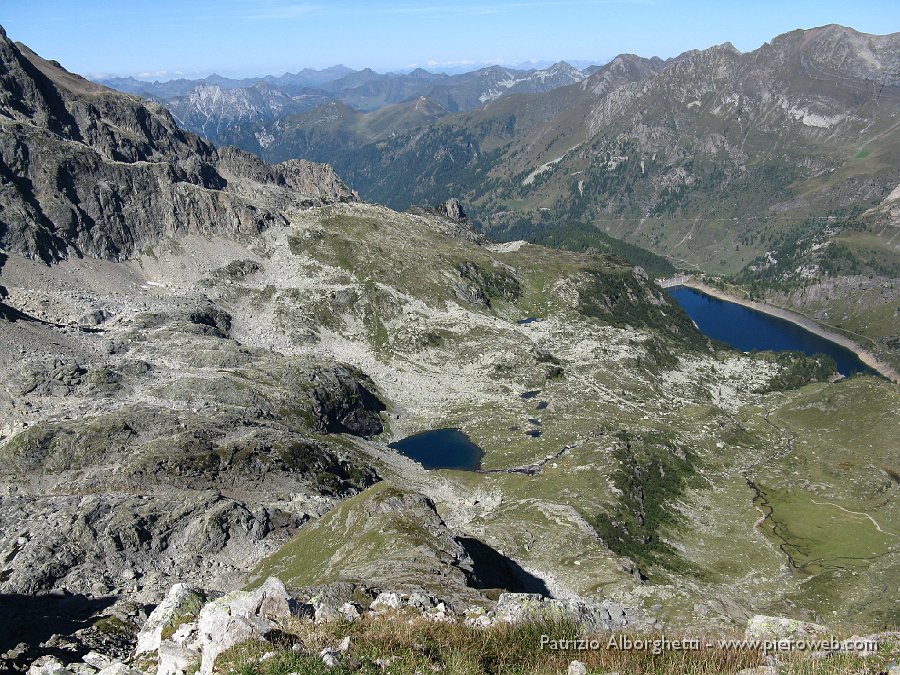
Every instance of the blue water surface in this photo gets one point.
(746, 329)
(441, 449)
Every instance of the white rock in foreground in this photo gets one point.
(181, 599)
(240, 616)
(47, 665)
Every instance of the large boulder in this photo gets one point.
(590, 615)
(181, 602)
(47, 665)
(241, 616)
(762, 627)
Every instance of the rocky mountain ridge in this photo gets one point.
(775, 167)
(89, 171)
(235, 112)
(206, 403)
(365, 90)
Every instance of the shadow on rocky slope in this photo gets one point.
(493, 570)
(35, 619)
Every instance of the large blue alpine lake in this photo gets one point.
(747, 329)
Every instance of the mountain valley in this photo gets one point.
(205, 355)
(774, 171)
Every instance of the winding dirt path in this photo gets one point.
(856, 513)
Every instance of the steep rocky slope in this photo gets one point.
(126, 467)
(89, 171)
(178, 409)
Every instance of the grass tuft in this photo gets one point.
(402, 644)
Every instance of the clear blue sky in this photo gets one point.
(255, 37)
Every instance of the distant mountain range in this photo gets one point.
(237, 111)
(363, 89)
(777, 167)
(205, 360)
(307, 77)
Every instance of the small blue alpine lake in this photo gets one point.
(441, 449)
(747, 329)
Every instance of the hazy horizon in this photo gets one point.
(448, 69)
(245, 39)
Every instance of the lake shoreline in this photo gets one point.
(864, 355)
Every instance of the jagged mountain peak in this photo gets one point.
(88, 171)
(623, 69)
(563, 67)
(728, 47)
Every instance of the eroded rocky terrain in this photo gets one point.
(775, 169)
(204, 356)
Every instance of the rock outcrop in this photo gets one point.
(181, 602)
(85, 170)
(186, 630)
(590, 615)
(775, 628)
(454, 210)
(193, 636)
(239, 617)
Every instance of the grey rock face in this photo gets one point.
(454, 209)
(89, 171)
(317, 179)
(591, 615)
(122, 542)
(344, 403)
